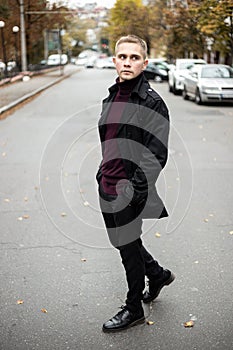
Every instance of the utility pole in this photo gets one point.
(23, 38)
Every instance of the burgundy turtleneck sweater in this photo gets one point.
(112, 165)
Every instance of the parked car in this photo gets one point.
(84, 57)
(209, 83)
(105, 62)
(91, 62)
(56, 59)
(161, 61)
(156, 71)
(178, 72)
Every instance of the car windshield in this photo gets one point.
(188, 65)
(217, 72)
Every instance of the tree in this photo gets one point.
(215, 22)
(128, 17)
(38, 17)
(184, 39)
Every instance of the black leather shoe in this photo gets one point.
(155, 286)
(123, 320)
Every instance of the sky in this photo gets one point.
(105, 3)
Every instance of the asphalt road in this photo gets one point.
(60, 279)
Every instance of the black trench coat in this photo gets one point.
(142, 137)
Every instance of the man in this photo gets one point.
(133, 128)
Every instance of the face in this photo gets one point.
(129, 61)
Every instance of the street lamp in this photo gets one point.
(15, 30)
(2, 25)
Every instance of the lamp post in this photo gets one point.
(23, 38)
(2, 25)
(15, 30)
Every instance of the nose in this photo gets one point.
(127, 61)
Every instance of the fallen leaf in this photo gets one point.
(26, 216)
(211, 215)
(231, 232)
(20, 218)
(20, 301)
(206, 220)
(7, 200)
(63, 214)
(83, 259)
(149, 322)
(157, 234)
(86, 203)
(25, 199)
(4, 154)
(81, 190)
(44, 311)
(196, 262)
(189, 324)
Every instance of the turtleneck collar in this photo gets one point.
(126, 87)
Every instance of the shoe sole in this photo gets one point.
(166, 283)
(139, 321)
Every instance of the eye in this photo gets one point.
(122, 57)
(135, 58)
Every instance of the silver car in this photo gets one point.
(209, 83)
(178, 71)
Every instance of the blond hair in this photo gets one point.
(133, 39)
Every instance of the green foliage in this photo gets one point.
(128, 17)
(4, 10)
(180, 30)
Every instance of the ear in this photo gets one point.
(114, 60)
(145, 64)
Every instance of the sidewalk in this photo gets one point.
(15, 93)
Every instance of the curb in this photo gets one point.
(33, 93)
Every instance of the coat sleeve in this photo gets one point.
(153, 151)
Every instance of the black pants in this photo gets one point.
(124, 230)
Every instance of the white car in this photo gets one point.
(56, 59)
(209, 83)
(178, 72)
(105, 62)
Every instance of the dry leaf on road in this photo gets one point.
(149, 322)
(189, 324)
(26, 216)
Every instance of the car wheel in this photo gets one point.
(174, 89)
(198, 99)
(158, 79)
(184, 93)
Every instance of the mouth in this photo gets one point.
(127, 71)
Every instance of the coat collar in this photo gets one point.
(139, 89)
